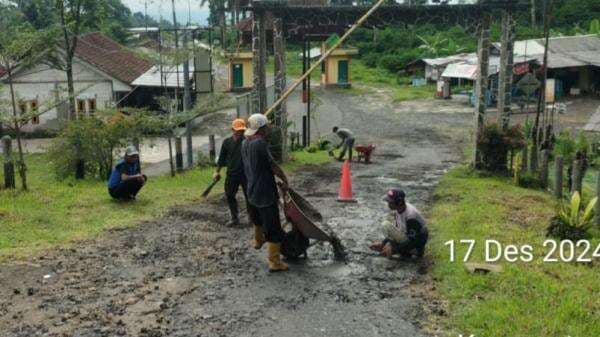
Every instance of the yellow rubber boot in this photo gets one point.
(259, 238)
(275, 263)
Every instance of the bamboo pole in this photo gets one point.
(293, 87)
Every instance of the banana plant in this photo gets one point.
(571, 215)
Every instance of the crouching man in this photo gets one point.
(126, 179)
(408, 234)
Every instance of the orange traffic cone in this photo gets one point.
(345, 194)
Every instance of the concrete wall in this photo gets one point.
(48, 86)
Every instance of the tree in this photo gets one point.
(20, 47)
(73, 17)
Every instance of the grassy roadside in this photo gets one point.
(364, 77)
(54, 213)
(528, 299)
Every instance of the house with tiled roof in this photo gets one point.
(104, 73)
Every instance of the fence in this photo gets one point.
(244, 102)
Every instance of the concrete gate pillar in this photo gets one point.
(259, 51)
(505, 75)
(481, 85)
(279, 52)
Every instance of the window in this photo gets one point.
(34, 106)
(91, 106)
(81, 106)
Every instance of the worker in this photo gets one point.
(126, 179)
(263, 198)
(231, 157)
(408, 233)
(347, 142)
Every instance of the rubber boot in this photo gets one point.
(259, 238)
(275, 263)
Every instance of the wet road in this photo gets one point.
(187, 275)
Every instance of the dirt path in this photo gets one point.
(187, 275)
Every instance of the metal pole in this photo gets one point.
(304, 131)
(212, 152)
(308, 93)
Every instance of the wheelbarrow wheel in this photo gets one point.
(294, 245)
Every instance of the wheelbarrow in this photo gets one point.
(364, 152)
(302, 215)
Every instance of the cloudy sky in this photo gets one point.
(156, 7)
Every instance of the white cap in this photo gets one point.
(255, 122)
(131, 151)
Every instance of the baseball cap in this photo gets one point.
(395, 196)
(238, 124)
(131, 151)
(255, 122)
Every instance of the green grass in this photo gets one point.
(527, 299)
(362, 76)
(54, 213)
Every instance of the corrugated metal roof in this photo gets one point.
(564, 52)
(151, 78)
(461, 70)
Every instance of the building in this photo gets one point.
(573, 61)
(336, 69)
(103, 72)
(240, 72)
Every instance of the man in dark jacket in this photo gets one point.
(126, 179)
(347, 143)
(263, 198)
(231, 157)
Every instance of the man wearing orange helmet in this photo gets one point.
(231, 157)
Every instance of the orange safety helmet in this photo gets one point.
(238, 125)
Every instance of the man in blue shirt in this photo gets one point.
(126, 179)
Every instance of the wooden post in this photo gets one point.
(544, 169)
(9, 166)
(178, 154)
(212, 153)
(597, 208)
(576, 184)
(558, 177)
(524, 157)
(79, 163)
(533, 158)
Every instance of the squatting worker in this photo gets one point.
(231, 157)
(126, 179)
(347, 142)
(263, 208)
(408, 233)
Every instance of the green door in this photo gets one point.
(238, 75)
(342, 71)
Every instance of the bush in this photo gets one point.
(495, 143)
(94, 141)
(528, 180)
(570, 222)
